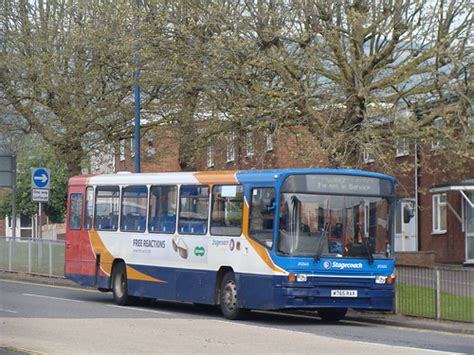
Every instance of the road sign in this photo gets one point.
(7, 167)
(40, 195)
(40, 178)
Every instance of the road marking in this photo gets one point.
(141, 310)
(52, 298)
(7, 310)
(49, 286)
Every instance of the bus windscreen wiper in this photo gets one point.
(320, 244)
(370, 256)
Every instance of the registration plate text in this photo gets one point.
(343, 293)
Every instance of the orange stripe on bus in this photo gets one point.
(133, 274)
(216, 177)
(106, 260)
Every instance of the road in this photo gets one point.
(54, 319)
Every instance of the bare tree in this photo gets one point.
(66, 71)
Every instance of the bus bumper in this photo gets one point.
(320, 297)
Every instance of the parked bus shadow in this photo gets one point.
(261, 317)
(297, 318)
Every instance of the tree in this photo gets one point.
(55, 209)
(344, 69)
(66, 69)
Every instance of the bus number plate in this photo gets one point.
(343, 293)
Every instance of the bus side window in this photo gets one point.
(262, 213)
(193, 209)
(163, 202)
(89, 208)
(106, 207)
(134, 203)
(227, 205)
(75, 210)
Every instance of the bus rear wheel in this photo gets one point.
(120, 285)
(332, 314)
(229, 298)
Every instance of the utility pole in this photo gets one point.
(136, 76)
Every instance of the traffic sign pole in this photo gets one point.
(40, 180)
(40, 229)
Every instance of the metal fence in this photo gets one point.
(36, 256)
(439, 292)
(432, 292)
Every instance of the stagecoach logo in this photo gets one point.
(199, 251)
(219, 243)
(341, 266)
(231, 244)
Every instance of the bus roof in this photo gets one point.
(210, 177)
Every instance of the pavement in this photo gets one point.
(371, 317)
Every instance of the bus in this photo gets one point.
(286, 239)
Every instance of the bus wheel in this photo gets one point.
(332, 314)
(119, 285)
(229, 300)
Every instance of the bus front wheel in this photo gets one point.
(229, 300)
(120, 285)
(332, 314)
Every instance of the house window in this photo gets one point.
(438, 125)
(402, 147)
(230, 150)
(268, 142)
(132, 147)
(367, 157)
(249, 144)
(439, 213)
(122, 149)
(210, 157)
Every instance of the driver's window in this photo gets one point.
(262, 213)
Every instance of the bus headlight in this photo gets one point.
(380, 280)
(301, 277)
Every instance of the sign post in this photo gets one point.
(40, 179)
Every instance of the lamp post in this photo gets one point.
(136, 76)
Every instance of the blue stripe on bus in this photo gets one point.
(255, 291)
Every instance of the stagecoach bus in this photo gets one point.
(316, 239)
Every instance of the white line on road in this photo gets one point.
(140, 309)
(7, 310)
(52, 298)
(79, 288)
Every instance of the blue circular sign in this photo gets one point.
(41, 178)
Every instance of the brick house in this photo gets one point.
(439, 205)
